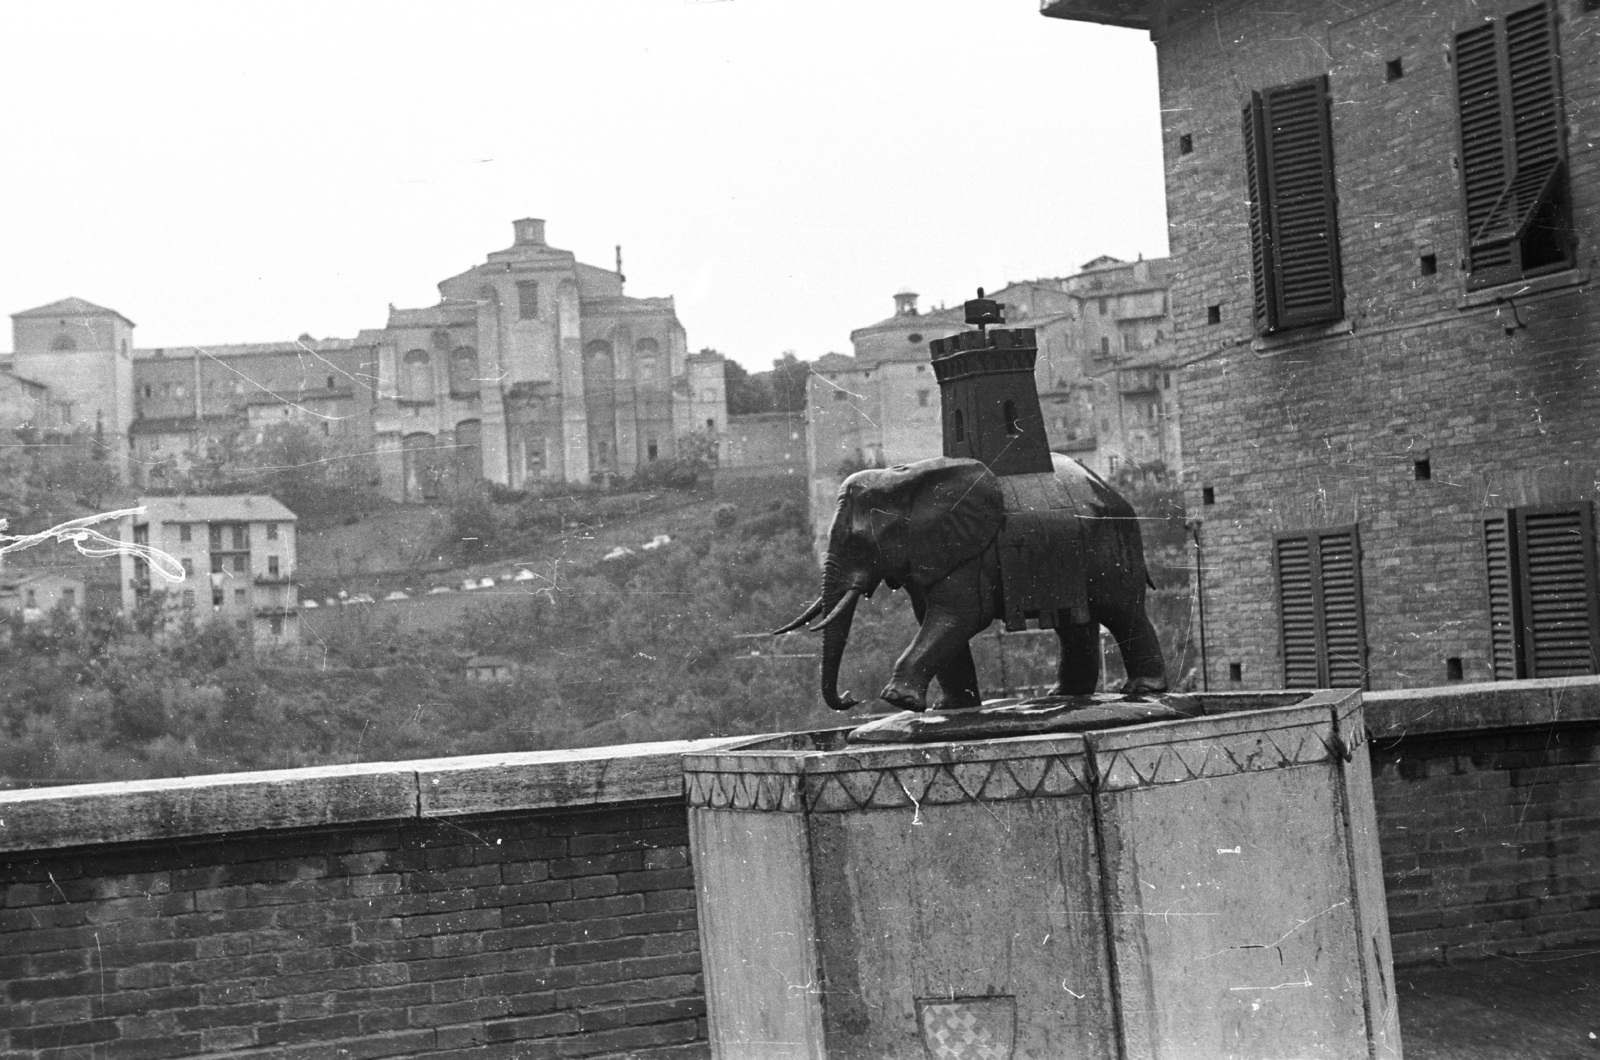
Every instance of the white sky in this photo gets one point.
(245, 173)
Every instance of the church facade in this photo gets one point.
(532, 368)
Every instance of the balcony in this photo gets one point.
(277, 610)
(281, 578)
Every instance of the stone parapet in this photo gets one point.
(142, 810)
(1482, 706)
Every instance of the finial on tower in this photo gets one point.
(983, 312)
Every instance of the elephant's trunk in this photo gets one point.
(837, 593)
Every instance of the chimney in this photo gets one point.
(905, 304)
(529, 231)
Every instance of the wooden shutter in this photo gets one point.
(1297, 608)
(1505, 642)
(1513, 154)
(1294, 238)
(1266, 314)
(1320, 609)
(1556, 575)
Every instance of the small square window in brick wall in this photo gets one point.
(575, 929)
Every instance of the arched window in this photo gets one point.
(646, 353)
(599, 367)
(958, 425)
(416, 376)
(63, 342)
(421, 464)
(1009, 410)
(467, 462)
(464, 372)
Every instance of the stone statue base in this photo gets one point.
(1000, 718)
(1207, 888)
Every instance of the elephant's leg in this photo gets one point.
(1141, 650)
(952, 613)
(1079, 670)
(958, 681)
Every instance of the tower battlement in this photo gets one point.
(989, 400)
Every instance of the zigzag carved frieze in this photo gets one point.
(933, 783)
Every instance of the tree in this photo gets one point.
(788, 383)
(323, 480)
(747, 393)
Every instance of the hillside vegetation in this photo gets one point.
(661, 644)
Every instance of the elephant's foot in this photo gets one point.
(904, 696)
(1144, 686)
(957, 701)
(1070, 688)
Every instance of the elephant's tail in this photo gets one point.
(1147, 580)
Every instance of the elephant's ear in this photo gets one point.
(955, 512)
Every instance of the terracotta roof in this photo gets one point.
(5, 370)
(240, 349)
(235, 508)
(172, 424)
(268, 397)
(433, 316)
(69, 307)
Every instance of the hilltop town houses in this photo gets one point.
(1383, 218)
(1103, 375)
(238, 558)
(533, 367)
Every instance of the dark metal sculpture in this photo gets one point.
(997, 528)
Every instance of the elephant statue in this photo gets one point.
(933, 528)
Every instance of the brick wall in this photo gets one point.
(1322, 427)
(533, 934)
(529, 905)
(1488, 803)
(543, 904)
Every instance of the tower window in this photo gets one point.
(528, 300)
(958, 426)
(1185, 144)
(1009, 410)
(1393, 70)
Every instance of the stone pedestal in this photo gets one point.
(1185, 889)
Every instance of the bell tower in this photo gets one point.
(989, 399)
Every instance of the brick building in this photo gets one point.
(238, 557)
(1104, 335)
(72, 373)
(35, 594)
(763, 449)
(532, 367)
(1381, 220)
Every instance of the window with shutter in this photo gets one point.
(1321, 616)
(1291, 207)
(1544, 603)
(1513, 150)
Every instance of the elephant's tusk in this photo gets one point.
(811, 612)
(846, 601)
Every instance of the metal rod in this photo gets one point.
(1200, 602)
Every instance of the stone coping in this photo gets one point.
(133, 811)
(141, 810)
(1476, 707)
